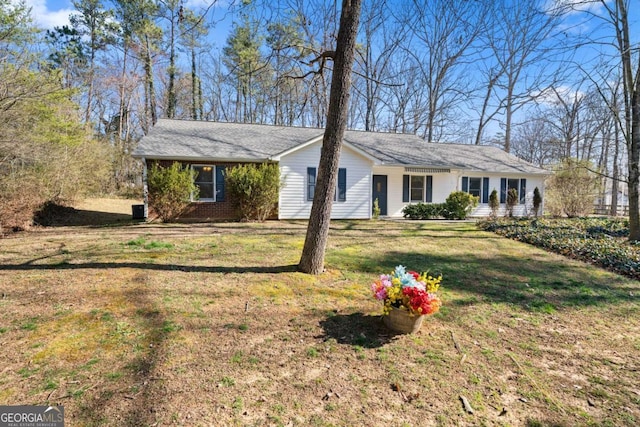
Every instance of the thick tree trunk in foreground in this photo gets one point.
(630, 76)
(312, 259)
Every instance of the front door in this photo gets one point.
(380, 192)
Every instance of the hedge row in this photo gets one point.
(457, 206)
(595, 240)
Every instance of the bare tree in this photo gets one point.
(534, 141)
(619, 18)
(443, 33)
(373, 61)
(312, 259)
(519, 45)
(628, 59)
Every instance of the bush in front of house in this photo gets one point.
(512, 201)
(537, 201)
(254, 189)
(170, 190)
(494, 203)
(423, 210)
(459, 205)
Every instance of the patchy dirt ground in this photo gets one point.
(210, 324)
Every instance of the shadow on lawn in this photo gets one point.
(138, 404)
(52, 215)
(356, 329)
(535, 285)
(149, 266)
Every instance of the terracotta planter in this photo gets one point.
(400, 320)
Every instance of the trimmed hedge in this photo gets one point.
(457, 206)
(423, 211)
(599, 241)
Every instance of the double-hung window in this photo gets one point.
(478, 187)
(341, 188)
(210, 181)
(520, 185)
(417, 188)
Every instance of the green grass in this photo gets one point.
(215, 322)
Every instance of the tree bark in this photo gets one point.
(194, 86)
(148, 73)
(312, 259)
(616, 172)
(620, 18)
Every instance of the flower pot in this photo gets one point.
(400, 320)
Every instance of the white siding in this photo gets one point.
(446, 183)
(525, 209)
(293, 202)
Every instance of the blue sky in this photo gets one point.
(52, 13)
(55, 13)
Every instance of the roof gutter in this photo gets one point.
(207, 159)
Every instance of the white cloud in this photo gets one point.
(46, 18)
(195, 4)
(200, 5)
(570, 7)
(553, 97)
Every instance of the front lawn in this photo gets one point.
(211, 325)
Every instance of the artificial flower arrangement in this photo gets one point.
(414, 291)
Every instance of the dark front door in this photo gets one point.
(380, 192)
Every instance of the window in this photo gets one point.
(417, 188)
(475, 187)
(311, 183)
(520, 185)
(478, 187)
(210, 180)
(341, 189)
(342, 185)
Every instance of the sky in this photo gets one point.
(50, 13)
(55, 13)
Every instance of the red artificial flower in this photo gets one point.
(422, 301)
(415, 274)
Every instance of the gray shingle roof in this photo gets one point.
(196, 140)
(191, 140)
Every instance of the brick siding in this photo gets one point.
(209, 211)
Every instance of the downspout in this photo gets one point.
(276, 160)
(145, 188)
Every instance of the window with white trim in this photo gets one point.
(210, 181)
(341, 188)
(518, 184)
(476, 186)
(417, 188)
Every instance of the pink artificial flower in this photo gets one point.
(379, 290)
